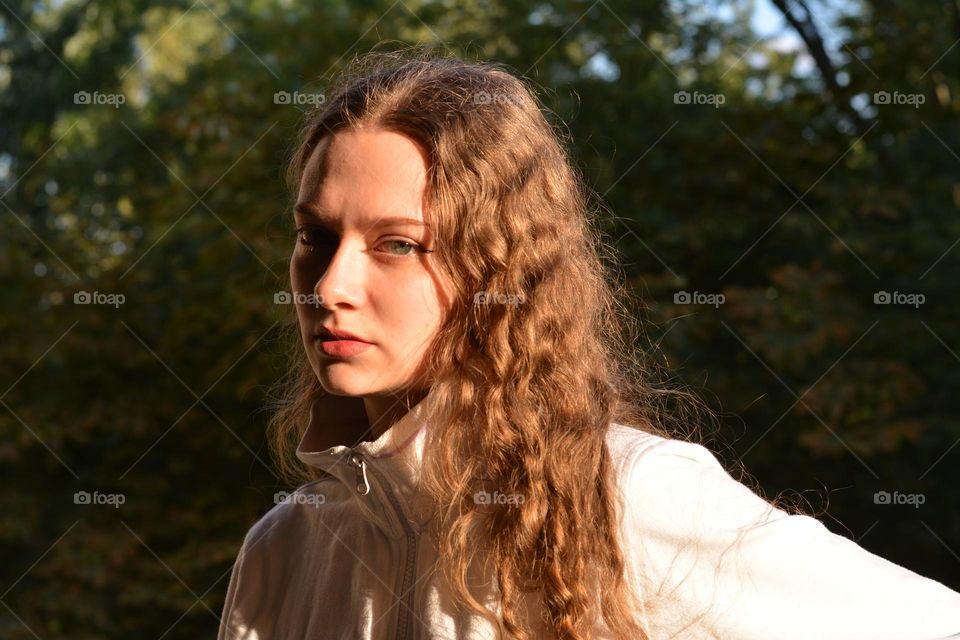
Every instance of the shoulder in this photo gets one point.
(273, 532)
(719, 553)
(638, 456)
(629, 445)
(680, 489)
(262, 572)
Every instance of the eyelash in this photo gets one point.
(313, 246)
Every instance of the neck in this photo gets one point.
(384, 411)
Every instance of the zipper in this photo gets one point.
(363, 487)
(405, 625)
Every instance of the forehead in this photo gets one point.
(366, 172)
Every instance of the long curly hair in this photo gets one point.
(539, 354)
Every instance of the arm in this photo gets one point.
(727, 564)
(251, 606)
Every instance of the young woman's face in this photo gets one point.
(355, 269)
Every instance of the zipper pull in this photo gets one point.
(363, 487)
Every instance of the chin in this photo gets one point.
(341, 383)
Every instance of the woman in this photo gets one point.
(484, 458)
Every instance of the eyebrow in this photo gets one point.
(310, 210)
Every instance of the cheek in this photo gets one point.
(417, 308)
(302, 283)
(293, 275)
(300, 273)
(388, 307)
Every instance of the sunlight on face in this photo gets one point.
(357, 269)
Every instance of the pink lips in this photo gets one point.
(340, 344)
(343, 348)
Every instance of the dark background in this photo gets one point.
(829, 173)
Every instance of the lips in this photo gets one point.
(337, 343)
(329, 333)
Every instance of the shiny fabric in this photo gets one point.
(347, 557)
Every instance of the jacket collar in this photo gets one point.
(393, 460)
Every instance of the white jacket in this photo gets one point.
(344, 557)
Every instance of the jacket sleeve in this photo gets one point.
(251, 609)
(228, 630)
(712, 559)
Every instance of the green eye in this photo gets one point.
(404, 246)
(315, 240)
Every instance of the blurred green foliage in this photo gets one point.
(798, 199)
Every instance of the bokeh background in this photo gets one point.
(782, 182)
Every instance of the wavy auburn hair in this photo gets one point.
(527, 389)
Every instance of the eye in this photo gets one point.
(313, 238)
(318, 239)
(402, 247)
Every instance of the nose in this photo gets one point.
(341, 283)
